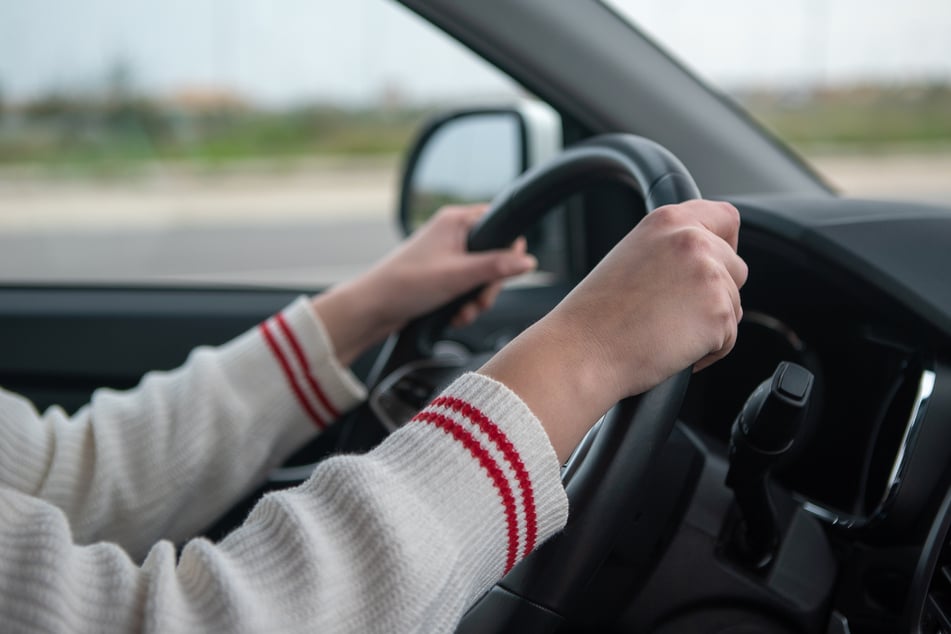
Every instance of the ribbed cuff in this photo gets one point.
(489, 469)
(300, 345)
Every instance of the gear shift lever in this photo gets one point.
(763, 432)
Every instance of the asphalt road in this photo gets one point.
(303, 225)
(306, 226)
(295, 255)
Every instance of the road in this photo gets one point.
(306, 224)
(921, 176)
(303, 225)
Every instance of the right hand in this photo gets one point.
(665, 298)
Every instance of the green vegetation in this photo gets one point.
(104, 138)
(119, 133)
(858, 118)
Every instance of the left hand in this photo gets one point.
(433, 267)
(426, 271)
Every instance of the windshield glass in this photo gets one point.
(861, 90)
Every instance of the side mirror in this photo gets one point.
(469, 156)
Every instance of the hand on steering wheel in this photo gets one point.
(430, 268)
(665, 298)
(689, 292)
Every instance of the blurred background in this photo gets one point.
(248, 141)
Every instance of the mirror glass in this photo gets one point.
(467, 159)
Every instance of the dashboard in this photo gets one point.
(854, 291)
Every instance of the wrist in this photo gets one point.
(354, 315)
(562, 378)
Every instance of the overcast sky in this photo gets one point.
(790, 41)
(282, 51)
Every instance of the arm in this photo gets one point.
(407, 536)
(165, 459)
(665, 298)
(426, 271)
(401, 539)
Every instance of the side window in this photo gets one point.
(214, 141)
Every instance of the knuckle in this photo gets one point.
(708, 276)
(731, 212)
(668, 215)
(722, 320)
(691, 243)
(734, 218)
(729, 340)
(725, 314)
(729, 321)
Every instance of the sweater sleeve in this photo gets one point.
(166, 458)
(402, 539)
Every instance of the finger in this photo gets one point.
(714, 356)
(734, 264)
(471, 311)
(737, 304)
(487, 297)
(705, 362)
(475, 269)
(730, 339)
(739, 270)
(466, 315)
(721, 218)
(471, 214)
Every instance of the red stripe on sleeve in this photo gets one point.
(302, 359)
(485, 460)
(289, 375)
(511, 455)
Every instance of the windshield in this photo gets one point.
(861, 90)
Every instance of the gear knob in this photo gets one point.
(773, 413)
(763, 432)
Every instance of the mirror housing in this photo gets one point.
(468, 156)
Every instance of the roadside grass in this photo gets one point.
(859, 120)
(82, 140)
(106, 139)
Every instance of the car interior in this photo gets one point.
(802, 484)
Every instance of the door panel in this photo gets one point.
(59, 344)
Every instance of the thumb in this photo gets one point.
(475, 269)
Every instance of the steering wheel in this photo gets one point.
(605, 474)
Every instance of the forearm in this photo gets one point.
(556, 370)
(404, 538)
(355, 316)
(165, 459)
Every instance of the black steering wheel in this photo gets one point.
(606, 472)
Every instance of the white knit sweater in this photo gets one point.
(402, 539)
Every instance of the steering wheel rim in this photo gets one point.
(627, 159)
(629, 437)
